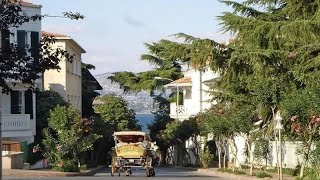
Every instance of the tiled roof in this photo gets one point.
(44, 33)
(26, 3)
(182, 80)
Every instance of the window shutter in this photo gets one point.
(28, 103)
(35, 44)
(5, 40)
(21, 37)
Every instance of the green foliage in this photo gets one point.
(205, 158)
(165, 56)
(238, 172)
(302, 120)
(67, 137)
(302, 113)
(263, 174)
(115, 111)
(161, 120)
(262, 150)
(46, 101)
(89, 87)
(315, 160)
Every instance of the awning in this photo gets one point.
(182, 82)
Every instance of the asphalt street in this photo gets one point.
(161, 173)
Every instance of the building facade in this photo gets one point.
(195, 86)
(18, 107)
(67, 80)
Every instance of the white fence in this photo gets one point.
(290, 154)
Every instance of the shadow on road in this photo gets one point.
(161, 172)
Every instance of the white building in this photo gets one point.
(18, 108)
(195, 86)
(66, 81)
(196, 95)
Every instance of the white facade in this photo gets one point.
(18, 108)
(196, 95)
(66, 81)
(196, 98)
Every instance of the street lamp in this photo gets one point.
(278, 126)
(177, 103)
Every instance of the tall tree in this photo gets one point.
(167, 65)
(115, 111)
(275, 50)
(89, 90)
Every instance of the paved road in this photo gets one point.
(161, 173)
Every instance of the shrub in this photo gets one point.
(263, 174)
(205, 158)
(67, 137)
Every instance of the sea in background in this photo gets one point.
(144, 120)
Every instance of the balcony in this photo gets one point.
(16, 122)
(180, 112)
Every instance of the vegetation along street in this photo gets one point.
(212, 89)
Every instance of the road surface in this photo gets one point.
(162, 173)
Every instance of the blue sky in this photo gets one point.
(114, 31)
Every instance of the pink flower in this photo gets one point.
(318, 119)
(60, 164)
(297, 128)
(294, 118)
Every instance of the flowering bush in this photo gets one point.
(302, 111)
(67, 137)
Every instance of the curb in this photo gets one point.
(226, 175)
(44, 173)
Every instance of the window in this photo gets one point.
(28, 101)
(16, 102)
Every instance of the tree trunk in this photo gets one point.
(224, 156)
(234, 151)
(219, 152)
(249, 145)
(307, 155)
(196, 151)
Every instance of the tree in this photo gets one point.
(162, 118)
(67, 138)
(89, 87)
(46, 101)
(302, 115)
(115, 112)
(166, 66)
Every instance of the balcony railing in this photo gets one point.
(179, 112)
(15, 122)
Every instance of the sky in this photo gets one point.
(114, 32)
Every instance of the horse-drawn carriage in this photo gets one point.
(132, 150)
